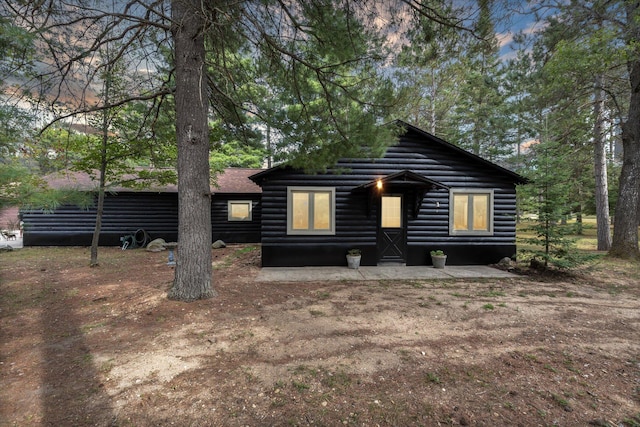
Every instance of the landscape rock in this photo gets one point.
(156, 245)
(218, 244)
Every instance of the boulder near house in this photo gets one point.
(425, 194)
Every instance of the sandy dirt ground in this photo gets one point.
(105, 347)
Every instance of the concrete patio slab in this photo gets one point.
(320, 274)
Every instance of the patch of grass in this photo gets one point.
(85, 359)
(488, 306)
(561, 401)
(323, 295)
(416, 285)
(107, 366)
(228, 260)
(305, 370)
(404, 355)
(432, 377)
(73, 292)
(550, 368)
(492, 293)
(248, 374)
(459, 295)
(616, 290)
(568, 364)
(317, 313)
(337, 379)
(245, 250)
(300, 386)
(502, 304)
(632, 421)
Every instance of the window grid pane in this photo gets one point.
(461, 212)
(321, 211)
(391, 207)
(240, 211)
(300, 211)
(480, 212)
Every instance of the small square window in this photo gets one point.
(239, 210)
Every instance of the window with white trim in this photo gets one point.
(311, 210)
(239, 210)
(471, 212)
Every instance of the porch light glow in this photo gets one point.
(379, 184)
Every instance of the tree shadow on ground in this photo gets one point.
(72, 393)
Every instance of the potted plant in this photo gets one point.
(438, 258)
(353, 258)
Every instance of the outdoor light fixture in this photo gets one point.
(379, 184)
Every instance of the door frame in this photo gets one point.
(398, 237)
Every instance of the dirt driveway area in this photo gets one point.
(105, 347)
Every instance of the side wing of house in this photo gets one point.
(235, 214)
(424, 194)
(236, 218)
(124, 214)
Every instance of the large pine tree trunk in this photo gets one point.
(625, 232)
(600, 168)
(193, 270)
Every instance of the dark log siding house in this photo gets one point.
(424, 194)
(235, 206)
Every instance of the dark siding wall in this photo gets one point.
(235, 231)
(124, 213)
(355, 227)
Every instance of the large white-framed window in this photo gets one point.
(239, 210)
(471, 212)
(311, 210)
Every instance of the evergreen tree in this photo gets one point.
(430, 73)
(480, 112)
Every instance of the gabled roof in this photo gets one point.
(82, 181)
(517, 178)
(230, 181)
(236, 181)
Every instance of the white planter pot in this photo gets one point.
(438, 261)
(353, 261)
